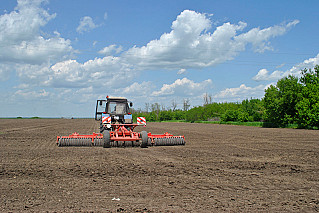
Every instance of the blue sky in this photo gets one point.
(58, 57)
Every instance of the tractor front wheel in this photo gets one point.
(106, 139)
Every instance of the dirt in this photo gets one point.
(221, 168)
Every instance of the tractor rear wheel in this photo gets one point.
(106, 139)
(144, 137)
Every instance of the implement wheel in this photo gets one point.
(106, 139)
(144, 137)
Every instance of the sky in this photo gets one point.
(58, 57)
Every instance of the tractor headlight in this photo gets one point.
(116, 117)
(108, 126)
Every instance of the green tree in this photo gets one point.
(194, 114)
(308, 106)
(179, 115)
(254, 108)
(272, 105)
(280, 101)
(244, 116)
(165, 115)
(230, 115)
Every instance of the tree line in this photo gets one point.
(247, 110)
(293, 100)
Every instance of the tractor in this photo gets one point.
(117, 129)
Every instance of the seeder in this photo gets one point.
(117, 129)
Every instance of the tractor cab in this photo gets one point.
(113, 110)
(117, 107)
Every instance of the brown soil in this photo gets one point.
(221, 168)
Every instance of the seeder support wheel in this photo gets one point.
(144, 137)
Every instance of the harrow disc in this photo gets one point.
(75, 142)
(169, 141)
(99, 142)
(109, 139)
(125, 143)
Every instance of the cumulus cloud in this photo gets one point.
(191, 45)
(46, 61)
(20, 39)
(109, 50)
(259, 38)
(138, 89)
(86, 24)
(100, 72)
(184, 87)
(21, 42)
(265, 75)
(240, 93)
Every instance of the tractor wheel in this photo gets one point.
(106, 139)
(102, 128)
(144, 137)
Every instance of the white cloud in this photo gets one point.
(86, 24)
(36, 51)
(240, 93)
(191, 45)
(21, 42)
(142, 89)
(259, 38)
(100, 72)
(105, 16)
(20, 39)
(31, 95)
(4, 72)
(24, 22)
(261, 75)
(109, 50)
(181, 71)
(85, 94)
(184, 87)
(281, 65)
(265, 75)
(22, 86)
(33, 74)
(46, 61)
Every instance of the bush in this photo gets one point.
(230, 115)
(244, 117)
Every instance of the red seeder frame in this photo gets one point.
(121, 133)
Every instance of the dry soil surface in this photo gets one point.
(221, 168)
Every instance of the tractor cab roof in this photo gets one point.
(116, 99)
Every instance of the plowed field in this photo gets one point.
(221, 168)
